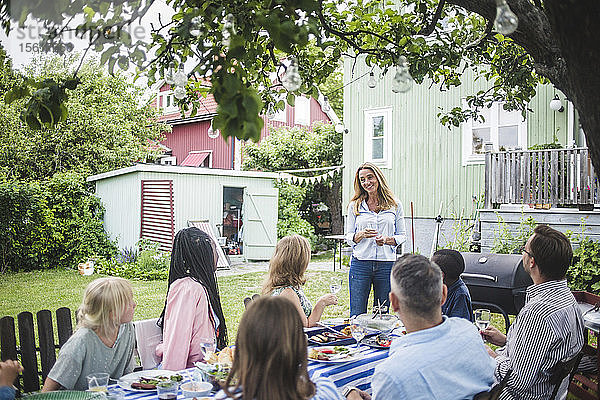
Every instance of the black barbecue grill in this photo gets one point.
(497, 282)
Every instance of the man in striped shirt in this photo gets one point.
(548, 329)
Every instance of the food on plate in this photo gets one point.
(329, 353)
(383, 340)
(224, 356)
(329, 336)
(150, 382)
(347, 331)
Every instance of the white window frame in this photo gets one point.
(302, 111)
(386, 113)
(163, 95)
(468, 158)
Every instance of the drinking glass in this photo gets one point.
(358, 331)
(115, 393)
(335, 285)
(98, 382)
(167, 390)
(208, 347)
(482, 318)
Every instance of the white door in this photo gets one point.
(260, 224)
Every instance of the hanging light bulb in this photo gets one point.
(170, 74)
(292, 80)
(180, 78)
(339, 128)
(270, 111)
(372, 82)
(212, 133)
(179, 92)
(195, 24)
(228, 29)
(402, 80)
(325, 106)
(506, 21)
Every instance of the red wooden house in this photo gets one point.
(189, 141)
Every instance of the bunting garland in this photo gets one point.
(309, 180)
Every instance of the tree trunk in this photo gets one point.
(334, 202)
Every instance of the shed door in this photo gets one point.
(260, 224)
(158, 214)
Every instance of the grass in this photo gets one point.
(51, 289)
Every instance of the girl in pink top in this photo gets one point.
(192, 312)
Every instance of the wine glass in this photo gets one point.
(208, 347)
(358, 331)
(335, 285)
(482, 318)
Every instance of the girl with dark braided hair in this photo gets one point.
(192, 312)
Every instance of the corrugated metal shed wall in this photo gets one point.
(426, 164)
(197, 197)
(121, 198)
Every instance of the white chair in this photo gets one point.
(147, 336)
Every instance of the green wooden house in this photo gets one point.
(430, 165)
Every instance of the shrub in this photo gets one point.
(289, 221)
(56, 223)
(149, 263)
(584, 274)
(509, 242)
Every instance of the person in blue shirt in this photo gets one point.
(458, 303)
(439, 358)
(9, 370)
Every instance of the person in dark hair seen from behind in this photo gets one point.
(548, 329)
(192, 313)
(458, 302)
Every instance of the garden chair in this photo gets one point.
(562, 370)
(147, 336)
(28, 348)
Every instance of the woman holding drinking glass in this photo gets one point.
(192, 317)
(286, 278)
(374, 228)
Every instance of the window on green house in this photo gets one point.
(378, 133)
(505, 130)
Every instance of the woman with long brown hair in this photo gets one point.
(374, 229)
(270, 357)
(286, 278)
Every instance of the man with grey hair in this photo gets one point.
(439, 357)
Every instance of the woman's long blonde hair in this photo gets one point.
(105, 300)
(270, 353)
(288, 264)
(385, 197)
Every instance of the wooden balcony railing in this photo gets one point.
(550, 177)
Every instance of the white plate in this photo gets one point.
(335, 321)
(353, 351)
(126, 380)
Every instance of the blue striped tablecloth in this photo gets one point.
(357, 373)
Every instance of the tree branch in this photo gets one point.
(436, 17)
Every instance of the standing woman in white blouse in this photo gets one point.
(374, 228)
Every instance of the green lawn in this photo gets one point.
(34, 291)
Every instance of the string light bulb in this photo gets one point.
(506, 21)
(325, 106)
(292, 80)
(270, 111)
(170, 74)
(372, 82)
(179, 92)
(195, 24)
(228, 29)
(180, 78)
(212, 133)
(339, 128)
(402, 80)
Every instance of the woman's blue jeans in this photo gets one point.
(363, 274)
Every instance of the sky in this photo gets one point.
(22, 44)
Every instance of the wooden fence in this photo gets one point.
(547, 177)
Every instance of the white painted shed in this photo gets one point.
(155, 201)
